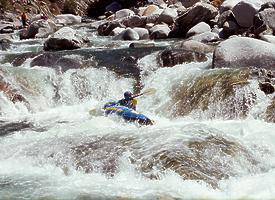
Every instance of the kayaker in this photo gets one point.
(128, 101)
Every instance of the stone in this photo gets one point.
(168, 16)
(159, 31)
(198, 29)
(127, 34)
(124, 13)
(142, 32)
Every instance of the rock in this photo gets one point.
(5, 44)
(116, 31)
(193, 45)
(6, 27)
(124, 13)
(244, 12)
(263, 21)
(150, 10)
(127, 34)
(67, 19)
(106, 28)
(189, 3)
(268, 38)
(206, 37)
(225, 16)
(267, 87)
(168, 16)
(171, 57)
(134, 21)
(142, 32)
(39, 29)
(64, 39)
(152, 19)
(230, 27)
(270, 112)
(238, 52)
(198, 13)
(198, 29)
(159, 31)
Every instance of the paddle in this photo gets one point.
(149, 91)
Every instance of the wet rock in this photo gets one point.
(127, 34)
(241, 52)
(264, 21)
(67, 19)
(267, 87)
(124, 13)
(38, 29)
(64, 39)
(198, 13)
(198, 29)
(56, 61)
(170, 57)
(159, 31)
(270, 112)
(11, 127)
(168, 16)
(106, 28)
(268, 38)
(212, 94)
(142, 32)
(193, 45)
(245, 11)
(206, 37)
(134, 21)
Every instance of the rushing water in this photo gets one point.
(59, 151)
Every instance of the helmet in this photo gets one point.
(127, 95)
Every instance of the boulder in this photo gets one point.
(171, 57)
(264, 21)
(238, 52)
(225, 16)
(229, 4)
(168, 16)
(150, 10)
(124, 13)
(152, 19)
(198, 13)
(159, 31)
(198, 29)
(127, 34)
(142, 32)
(230, 27)
(244, 12)
(267, 87)
(268, 38)
(67, 19)
(38, 29)
(64, 39)
(5, 44)
(6, 27)
(134, 21)
(116, 31)
(106, 28)
(189, 3)
(206, 37)
(193, 45)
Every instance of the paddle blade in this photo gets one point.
(95, 112)
(150, 91)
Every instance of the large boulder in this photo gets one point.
(142, 32)
(127, 34)
(198, 13)
(264, 20)
(168, 16)
(206, 37)
(67, 19)
(38, 29)
(245, 11)
(64, 39)
(150, 10)
(159, 31)
(198, 29)
(238, 52)
(124, 13)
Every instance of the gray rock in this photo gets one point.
(127, 34)
(198, 29)
(124, 13)
(193, 45)
(264, 21)
(134, 21)
(198, 13)
(67, 19)
(64, 39)
(206, 37)
(168, 16)
(159, 31)
(238, 52)
(244, 13)
(116, 31)
(268, 38)
(106, 28)
(142, 32)
(6, 27)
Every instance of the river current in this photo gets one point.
(52, 148)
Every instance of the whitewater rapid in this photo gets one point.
(36, 162)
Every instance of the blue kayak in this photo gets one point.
(127, 113)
